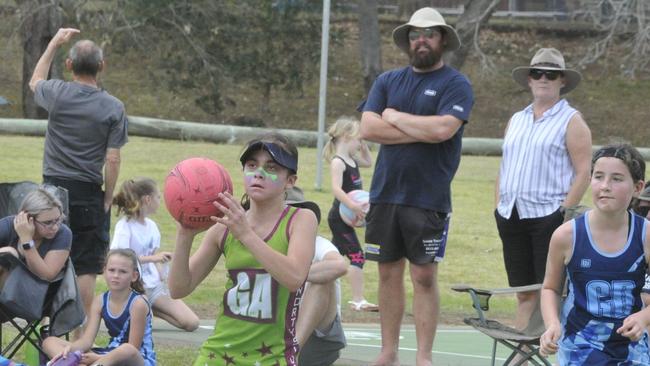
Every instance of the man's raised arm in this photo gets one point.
(42, 68)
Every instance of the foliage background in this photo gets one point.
(231, 62)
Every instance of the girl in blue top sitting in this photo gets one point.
(126, 314)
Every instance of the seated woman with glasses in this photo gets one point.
(544, 171)
(37, 235)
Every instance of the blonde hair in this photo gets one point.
(129, 198)
(39, 200)
(342, 128)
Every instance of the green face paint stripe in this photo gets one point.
(266, 174)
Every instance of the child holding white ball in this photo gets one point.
(347, 152)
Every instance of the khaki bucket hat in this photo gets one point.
(548, 59)
(425, 18)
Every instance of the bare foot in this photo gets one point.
(423, 361)
(386, 360)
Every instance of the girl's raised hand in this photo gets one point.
(633, 327)
(548, 340)
(24, 226)
(187, 231)
(234, 215)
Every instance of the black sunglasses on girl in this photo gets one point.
(536, 74)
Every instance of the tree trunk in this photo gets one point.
(476, 14)
(41, 20)
(370, 42)
(408, 7)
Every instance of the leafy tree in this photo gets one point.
(205, 44)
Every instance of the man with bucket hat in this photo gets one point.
(417, 113)
(544, 172)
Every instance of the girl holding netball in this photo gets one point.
(267, 246)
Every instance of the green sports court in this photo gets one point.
(454, 345)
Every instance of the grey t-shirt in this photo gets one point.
(61, 241)
(83, 122)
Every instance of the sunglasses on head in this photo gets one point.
(415, 34)
(536, 74)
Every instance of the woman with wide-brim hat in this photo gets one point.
(545, 169)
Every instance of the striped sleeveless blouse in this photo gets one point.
(536, 170)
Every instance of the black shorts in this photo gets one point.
(344, 237)
(89, 224)
(396, 231)
(525, 245)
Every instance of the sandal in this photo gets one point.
(363, 305)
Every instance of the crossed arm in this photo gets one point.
(394, 127)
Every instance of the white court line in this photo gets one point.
(362, 329)
(434, 352)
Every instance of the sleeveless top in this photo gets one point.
(536, 170)
(604, 289)
(258, 316)
(351, 181)
(119, 325)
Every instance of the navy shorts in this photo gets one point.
(89, 223)
(397, 231)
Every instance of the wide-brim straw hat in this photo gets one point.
(548, 59)
(425, 18)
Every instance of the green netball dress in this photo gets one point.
(258, 317)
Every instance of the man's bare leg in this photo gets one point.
(426, 307)
(391, 305)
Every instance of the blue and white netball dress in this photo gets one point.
(604, 289)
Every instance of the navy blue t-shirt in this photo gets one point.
(419, 174)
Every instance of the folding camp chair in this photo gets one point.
(523, 343)
(25, 296)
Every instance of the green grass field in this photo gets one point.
(473, 252)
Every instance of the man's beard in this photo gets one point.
(426, 61)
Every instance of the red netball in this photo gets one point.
(192, 187)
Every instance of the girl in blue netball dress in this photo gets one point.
(126, 314)
(604, 254)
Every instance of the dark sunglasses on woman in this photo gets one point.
(536, 74)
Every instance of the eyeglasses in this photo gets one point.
(415, 34)
(50, 223)
(536, 74)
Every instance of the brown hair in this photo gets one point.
(137, 285)
(129, 198)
